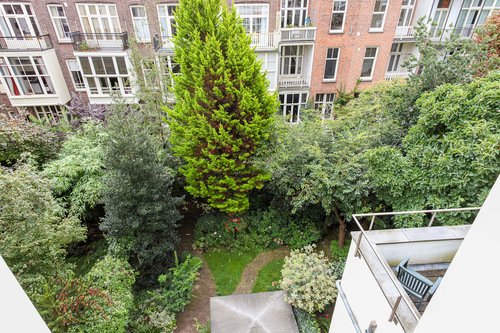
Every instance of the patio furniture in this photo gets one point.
(415, 283)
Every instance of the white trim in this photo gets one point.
(381, 28)
(106, 16)
(145, 17)
(370, 78)
(61, 39)
(336, 64)
(266, 5)
(341, 31)
(84, 88)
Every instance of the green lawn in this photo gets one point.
(267, 275)
(227, 267)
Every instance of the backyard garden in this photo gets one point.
(127, 218)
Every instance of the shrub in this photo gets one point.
(339, 252)
(308, 280)
(150, 316)
(306, 322)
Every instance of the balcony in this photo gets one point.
(403, 33)
(391, 76)
(26, 43)
(298, 34)
(265, 41)
(88, 42)
(439, 34)
(163, 44)
(293, 82)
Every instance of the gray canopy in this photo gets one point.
(252, 313)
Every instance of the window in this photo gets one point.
(50, 113)
(396, 55)
(140, 21)
(338, 16)
(440, 18)
(474, 13)
(26, 76)
(406, 13)
(99, 19)
(170, 68)
(369, 63)
(378, 17)
(332, 60)
(291, 103)
(60, 23)
(293, 13)
(270, 67)
(105, 75)
(255, 17)
(76, 74)
(167, 21)
(324, 103)
(291, 60)
(18, 20)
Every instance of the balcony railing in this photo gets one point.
(163, 43)
(293, 82)
(298, 34)
(84, 42)
(26, 43)
(404, 32)
(264, 40)
(390, 76)
(462, 32)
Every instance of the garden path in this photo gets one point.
(250, 273)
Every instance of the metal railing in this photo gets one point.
(26, 43)
(268, 40)
(390, 76)
(404, 32)
(298, 34)
(163, 42)
(443, 33)
(293, 82)
(99, 41)
(403, 296)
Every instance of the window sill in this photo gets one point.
(330, 80)
(376, 30)
(65, 41)
(336, 31)
(366, 79)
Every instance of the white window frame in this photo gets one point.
(60, 23)
(337, 11)
(107, 91)
(264, 15)
(467, 14)
(271, 73)
(374, 58)
(48, 113)
(407, 8)
(286, 66)
(137, 25)
(295, 107)
(301, 12)
(167, 19)
(325, 103)
(336, 64)
(98, 22)
(33, 29)
(383, 13)
(396, 58)
(74, 67)
(22, 81)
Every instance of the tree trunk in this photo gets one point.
(342, 227)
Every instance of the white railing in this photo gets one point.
(396, 76)
(293, 82)
(298, 34)
(404, 32)
(268, 40)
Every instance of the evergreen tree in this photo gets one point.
(141, 213)
(223, 113)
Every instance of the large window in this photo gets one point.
(99, 19)
(291, 104)
(60, 22)
(106, 75)
(369, 63)
(255, 17)
(395, 61)
(378, 17)
(440, 17)
(18, 20)
(167, 21)
(293, 13)
(26, 76)
(324, 103)
(50, 113)
(291, 60)
(338, 16)
(473, 13)
(332, 61)
(270, 67)
(141, 26)
(76, 74)
(406, 13)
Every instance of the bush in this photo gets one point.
(339, 252)
(308, 280)
(151, 317)
(306, 322)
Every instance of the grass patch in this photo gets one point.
(267, 275)
(339, 252)
(227, 267)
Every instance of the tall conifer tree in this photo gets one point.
(224, 111)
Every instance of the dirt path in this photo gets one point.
(249, 275)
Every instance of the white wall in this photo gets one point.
(467, 301)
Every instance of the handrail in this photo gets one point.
(20, 43)
(388, 271)
(83, 41)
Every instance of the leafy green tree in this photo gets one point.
(77, 173)
(141, 213)
(450, 158)
(35, 230)
(223, 111)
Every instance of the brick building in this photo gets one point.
(310, 49)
